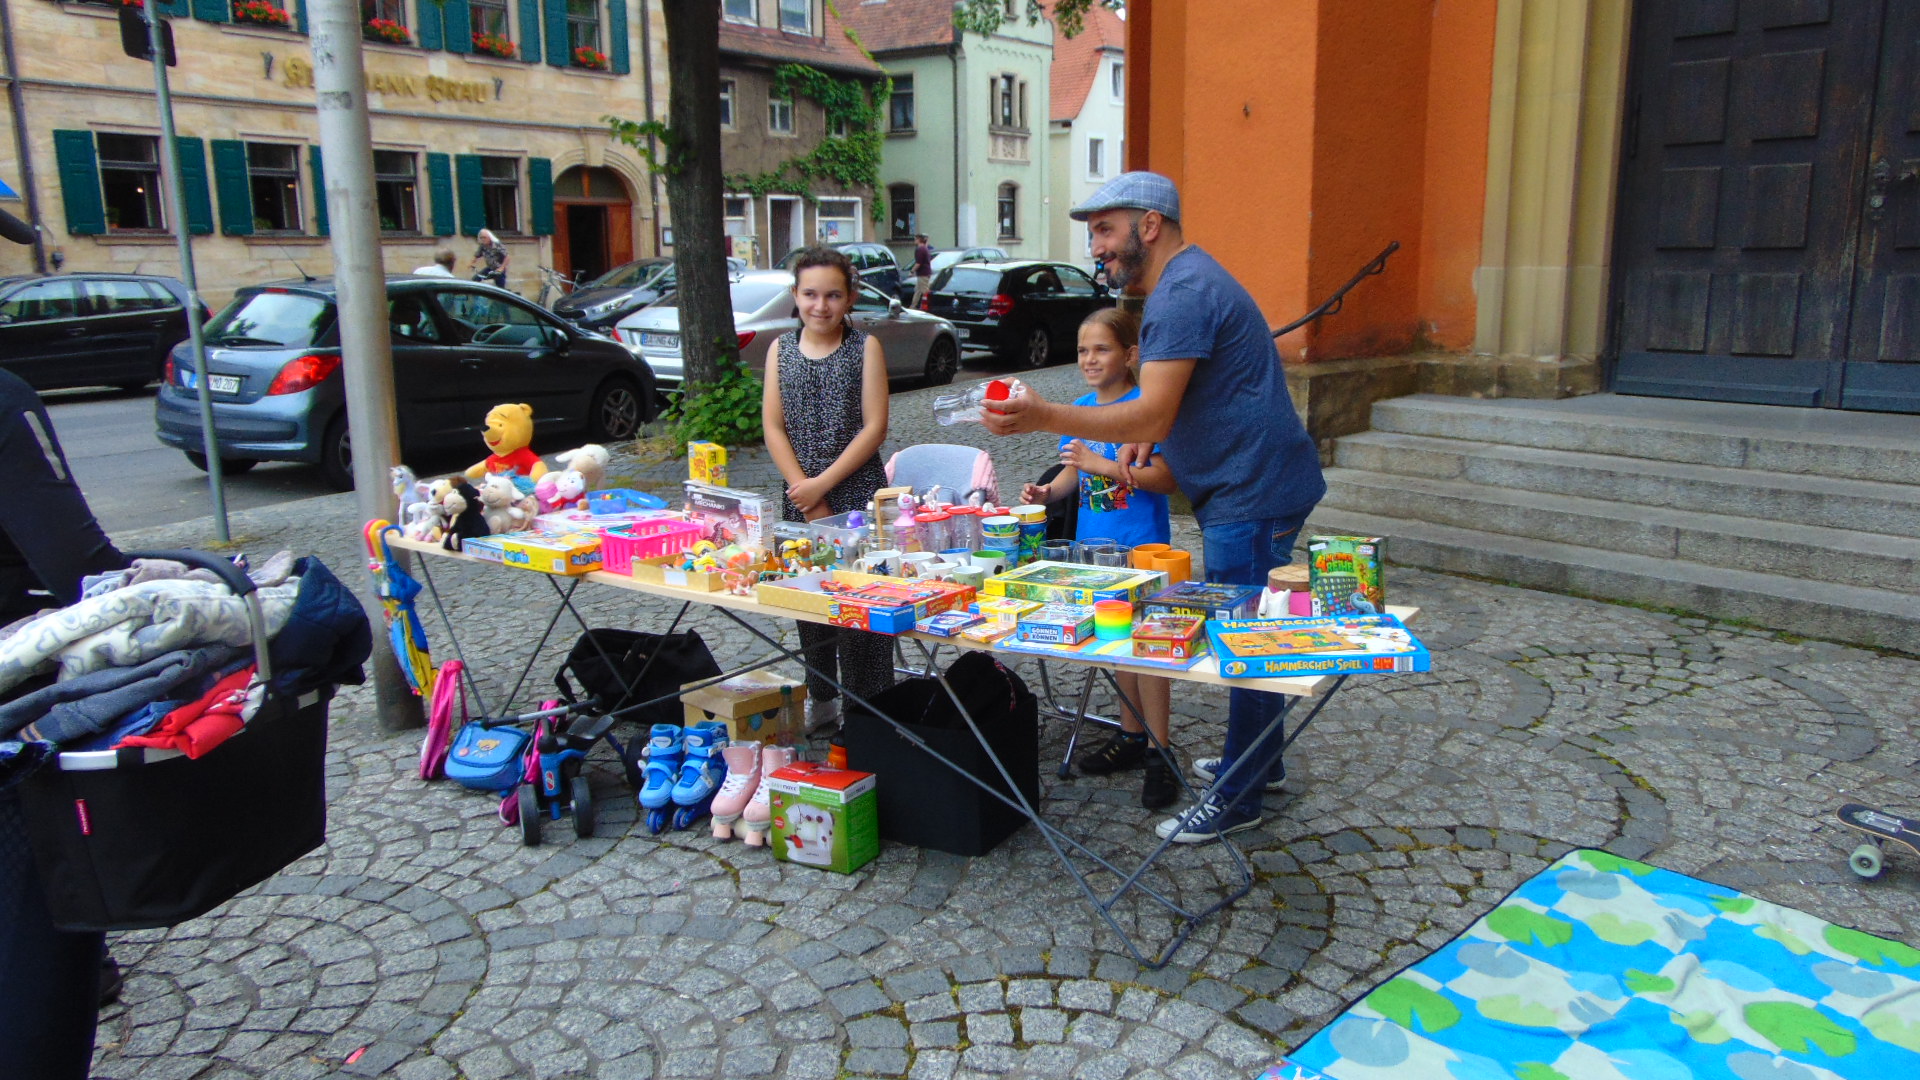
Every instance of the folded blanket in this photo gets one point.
(75, 708)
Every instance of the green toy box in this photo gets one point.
(824, 817)
(1344, 574)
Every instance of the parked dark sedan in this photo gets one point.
(614, 295)
(87, 329)
(873, 262)
(459, 348)
(1024, 312)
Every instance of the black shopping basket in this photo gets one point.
(139, 838)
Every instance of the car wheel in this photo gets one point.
(1039, 350)
(336, 455)
(617, 413)
(942, 361)
(232, 466)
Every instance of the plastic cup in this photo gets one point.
(1143, 554)
(1177, 565)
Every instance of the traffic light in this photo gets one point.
(134, 40)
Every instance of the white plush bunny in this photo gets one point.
(590, 461)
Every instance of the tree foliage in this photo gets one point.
(987, 16)
(850, 160)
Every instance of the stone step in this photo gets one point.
(1817, 442)
(1811, 608)
(1867, 560)
(1829, 502)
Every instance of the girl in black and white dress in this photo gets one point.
(825, 414)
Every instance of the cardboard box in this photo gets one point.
(1057, 624)
(829, 818)
(1169, 637)
(948, 623)
(1204, 600)
(757, 706)
(1004, 610)
(586, 521)
(1075, 583)
(1344, 574)
(987, 633)
(568, 553)
(707, 463)
(665, 570)
(1344, 645)
(485, 548)
(731, 516)
(865, 601)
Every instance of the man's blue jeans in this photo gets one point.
(1241, 553)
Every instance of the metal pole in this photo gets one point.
(360, 291)
(177, 197)
(18, 101)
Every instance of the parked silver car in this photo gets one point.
(918, 345)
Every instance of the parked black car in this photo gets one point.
(873, 262)
(459, 349)
(62, 330)
(1024, 312)
(619, 292)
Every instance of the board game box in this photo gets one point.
(948, 623)
(1057, 624)
(1341, 645)
(1344, 574)
(1075, 583)
(1205, 599)
(729, 515)
(1169, 637)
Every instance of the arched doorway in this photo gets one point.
(592, 222)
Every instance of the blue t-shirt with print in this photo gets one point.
(1237, 449)
(1110, 509)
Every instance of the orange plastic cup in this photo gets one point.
(1143, 554)
(1177, 565)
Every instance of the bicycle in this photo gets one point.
(553, 284)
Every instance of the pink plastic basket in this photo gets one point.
(622, 544)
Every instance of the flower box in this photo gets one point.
(262, 13)
(590, 58)
(386, 30)
(494, 45)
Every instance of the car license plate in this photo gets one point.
(659, 341)
(224, 384)
(965, 334)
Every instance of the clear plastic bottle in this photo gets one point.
(965, 406)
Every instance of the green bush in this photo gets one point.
(726, 411)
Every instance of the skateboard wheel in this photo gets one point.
(1865, 861)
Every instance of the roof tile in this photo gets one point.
(889, 25)
(1076, 60)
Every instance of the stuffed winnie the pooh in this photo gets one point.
(509, 430)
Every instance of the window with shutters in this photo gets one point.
(900, 105)
(583, 24)
(273, 179)
(796, 16)
(396, 190)
(489, 17)
(394, 11)
(780, 116)
(500, 190)
(726, 103)
(130, 182)
(904, 221)
(1009, 211)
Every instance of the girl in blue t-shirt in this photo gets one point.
(1130, 514)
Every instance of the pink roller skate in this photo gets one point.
(757, 819)
(743, 779)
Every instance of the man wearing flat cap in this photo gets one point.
(1213, 395)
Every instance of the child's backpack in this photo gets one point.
(487, 758)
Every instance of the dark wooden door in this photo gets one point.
(1742, 190)
(1883, 350)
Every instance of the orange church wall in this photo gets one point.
(1459, 98)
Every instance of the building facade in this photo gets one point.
(1710, 199)
(965, 158)
(775, 202)
(484, 113)
(1086, 136)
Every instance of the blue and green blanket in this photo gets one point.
(1601, 968)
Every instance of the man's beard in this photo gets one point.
(1129, 262)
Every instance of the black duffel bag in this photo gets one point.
(924, 802)
(619, 669)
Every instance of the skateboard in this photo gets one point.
(1881, 827)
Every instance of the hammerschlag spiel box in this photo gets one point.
(1344, 645)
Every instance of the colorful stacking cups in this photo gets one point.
(1177, 565)
(1143, 554)
(1112, 620)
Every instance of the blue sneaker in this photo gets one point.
(1207, 821)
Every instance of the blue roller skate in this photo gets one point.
(662, 753)
(701, 771)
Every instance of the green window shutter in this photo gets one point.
(473, 201)
(175, 9)
(300, 15)
(230, 184)
(440, 194)
(212, 10)
(617, 37)
(427, 22)
(530, 31)
(459, 20)
(319, 191)
(540, 194)
(558, 54)
(80, 182)
(193, 184)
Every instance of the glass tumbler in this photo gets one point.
(1118, 555)
(1056, 550)
(1085, 550)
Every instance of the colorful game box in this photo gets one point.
(1344, 574)
(729, 515)
(1204, 599)
(864, 601)
(1004, 610)
(1075, 583)
(1169, 637)
(568, 553)
(1057, 624)
(829, 818)
(990, 631)
(1352, 644)
(948, 623)
(707, 463)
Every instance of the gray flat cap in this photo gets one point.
(1132, 191)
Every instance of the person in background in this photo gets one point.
(493, 254)
(441, 266)
(1214, 396)
(922, 268)
(824, 409)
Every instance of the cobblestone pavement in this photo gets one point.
(426, 934)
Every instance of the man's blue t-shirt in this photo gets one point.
(1112, 510)
(1237, 448)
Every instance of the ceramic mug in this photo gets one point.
(992, 562)
(970, 575)
(915, 564)
(885, 562)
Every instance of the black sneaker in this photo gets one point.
(1159, 787)
(1122, 751)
